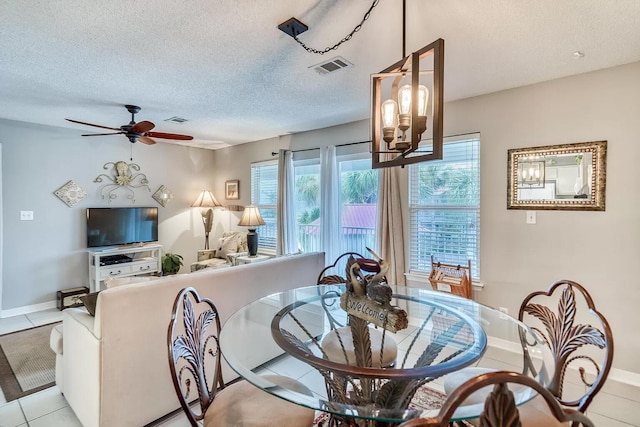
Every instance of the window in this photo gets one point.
(307, 204)
(264, 195)
(444, 207)
(357, 204)
(359, 197)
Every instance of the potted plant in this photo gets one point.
(171, 263)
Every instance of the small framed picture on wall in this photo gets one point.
(232, 189)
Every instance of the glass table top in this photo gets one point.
(444, 335)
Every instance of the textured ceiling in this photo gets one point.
(224, 65)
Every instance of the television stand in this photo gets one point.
(127, 261)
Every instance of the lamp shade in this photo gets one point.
(251, 217)
(206, 200)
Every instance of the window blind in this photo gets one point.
(444, 207)
(264, 195)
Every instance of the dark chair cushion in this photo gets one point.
(90, 301)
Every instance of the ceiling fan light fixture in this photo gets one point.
(140, 131)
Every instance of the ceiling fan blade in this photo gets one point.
(91, 124)
(142, 127)
(146, 140)
(169, 136)
(101, 134)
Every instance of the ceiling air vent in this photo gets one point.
(332, 65)
(176, 119)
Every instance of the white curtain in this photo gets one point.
(330, 203)
(390, 229)
(287, 230)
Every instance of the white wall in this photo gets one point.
(598, 249)
(47, 254)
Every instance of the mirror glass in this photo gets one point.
(569, 176)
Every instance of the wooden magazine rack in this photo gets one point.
(452, 278)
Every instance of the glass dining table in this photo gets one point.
(444, 335)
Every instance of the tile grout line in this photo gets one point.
(23, 413)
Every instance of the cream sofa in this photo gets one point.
(115, 366)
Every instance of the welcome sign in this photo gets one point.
(385, 316)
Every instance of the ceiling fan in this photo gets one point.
(140, 131)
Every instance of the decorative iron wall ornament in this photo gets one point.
(121, 176)
(70, 193)
(163, 195)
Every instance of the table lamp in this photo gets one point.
(206, 200)
(251, 218)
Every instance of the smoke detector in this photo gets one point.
(332, 65)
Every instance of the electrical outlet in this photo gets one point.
(26, 215)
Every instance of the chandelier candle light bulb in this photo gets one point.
(389, 119)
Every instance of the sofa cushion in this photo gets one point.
(112, 282)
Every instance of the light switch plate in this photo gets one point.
(531, 217)
(26, 215)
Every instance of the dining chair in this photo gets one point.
(568, 346)
(581, 354)
(500, 409)
(193, 347)
(337, 344)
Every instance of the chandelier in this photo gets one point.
(407, 102)
(531, 173)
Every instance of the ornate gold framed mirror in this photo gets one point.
(558, 177)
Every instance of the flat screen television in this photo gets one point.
(121, 226)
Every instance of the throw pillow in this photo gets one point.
(242, 243)
(227, 245)
(90, 301)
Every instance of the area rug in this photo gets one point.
(425, 398)
(27, 364)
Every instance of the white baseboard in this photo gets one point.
(615, 374)
(27, 309)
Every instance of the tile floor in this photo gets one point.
(617, 405)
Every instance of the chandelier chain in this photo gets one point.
(344, 39)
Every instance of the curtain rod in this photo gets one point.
(273, 153)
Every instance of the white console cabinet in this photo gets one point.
(144, 259)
